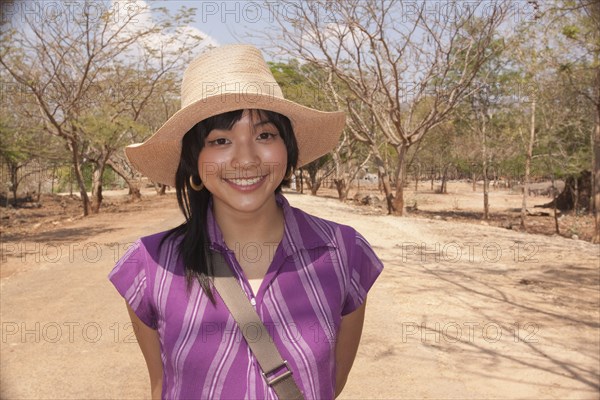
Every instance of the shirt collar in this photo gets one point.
(294, 238)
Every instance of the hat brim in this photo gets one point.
(317, 132)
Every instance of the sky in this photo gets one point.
(221, 22)
(226, 22)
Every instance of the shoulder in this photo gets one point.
(312, 228)
(157, 239)
(158, 246)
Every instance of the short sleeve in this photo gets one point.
(129, 276)
(364, 268)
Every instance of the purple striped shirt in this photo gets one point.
(321, 271)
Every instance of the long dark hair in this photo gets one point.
(194, 244)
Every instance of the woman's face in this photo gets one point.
(243, 166)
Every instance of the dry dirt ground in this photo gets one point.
(462, 310)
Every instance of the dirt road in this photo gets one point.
(461, 310)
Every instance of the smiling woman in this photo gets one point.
(244, 165)
(303, 280)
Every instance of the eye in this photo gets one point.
(267, 136)
(218, 142)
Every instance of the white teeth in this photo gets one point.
(246, 182)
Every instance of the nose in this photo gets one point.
(246, 160)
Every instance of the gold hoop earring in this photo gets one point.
(197, 188)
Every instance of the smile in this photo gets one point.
(246, 182)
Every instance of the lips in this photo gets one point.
(246, 183)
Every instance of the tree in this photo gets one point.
(392, 68)
(15, 154)
(579, 60)
(564, 148)
(314, 87)
(439, 151)
(528, 59)
(73, 62)
(24, 151)
(364, 128)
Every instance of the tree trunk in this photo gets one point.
(347, 190)
(134, 189)
(97, 186)
(85, 200)
(14, 193)
(340, 179)
(576, 197)
(486, 192)
(443, 188)
(382, 174)
(39, 193)
(596, 172)
(14, 181)
(486, 204)
(71, 181)
(341, 187)
(417, 176)
(53, 178)
(135, 193)
(313, 183)
(314, 188)
(556, 227)
(528, 157)
(399, 198)
(160, 188)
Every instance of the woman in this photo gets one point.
(227, 152)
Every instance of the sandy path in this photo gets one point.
(482, 313)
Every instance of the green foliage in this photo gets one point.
(310, 86)
(102, 126)
(64, 177)
(96, 84)
(571, 31)
(533, 66)
(12, 148)
(304, 84)
(23, 144)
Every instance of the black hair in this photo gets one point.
(194, 244)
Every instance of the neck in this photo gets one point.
(265, 225)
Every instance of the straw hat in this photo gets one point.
(229, 78)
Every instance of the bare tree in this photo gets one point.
(528, 157)
(313, 86)
(364, 128)
(483, 114)
(395, 58)
(317, 172)
(344, 155)
(72, 64)
(346, 167)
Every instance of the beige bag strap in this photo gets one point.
(261, 344)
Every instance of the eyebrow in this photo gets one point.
(264, 122)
